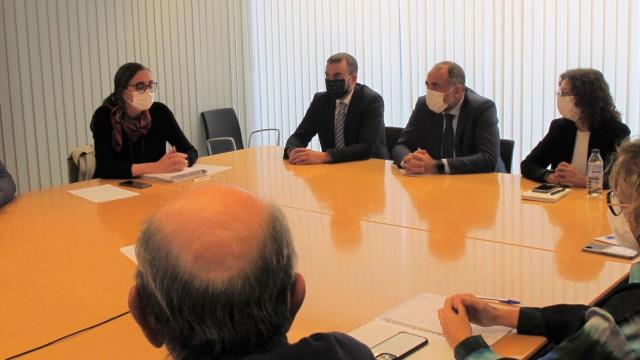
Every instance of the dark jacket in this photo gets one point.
(477, 137)
(363, 126)
(7, 185)
(557, 146)
(149, 148)
(335, 346)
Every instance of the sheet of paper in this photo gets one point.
(421, 313)
(420, 316)
(609, 239)
(103, 193)
(130, 252)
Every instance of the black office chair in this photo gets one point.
(391, 135)
(506, 153)
(223, 133)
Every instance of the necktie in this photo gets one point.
(339, 124)
(448, 138)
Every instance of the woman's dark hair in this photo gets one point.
(592, 96)
(120, 81)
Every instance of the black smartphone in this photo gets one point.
(546, 188)
(398, 346)
(135, 184)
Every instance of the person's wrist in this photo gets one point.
(327, 157)
(439, 167)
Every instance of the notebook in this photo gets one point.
(196, 171)
(545, 197)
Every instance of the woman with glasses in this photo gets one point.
(130, 130)
(589, 121)
(609, 330)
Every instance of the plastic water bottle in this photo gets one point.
(595, 173)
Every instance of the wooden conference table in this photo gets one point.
(367, 239)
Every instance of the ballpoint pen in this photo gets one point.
(557, 191)
(503, 301)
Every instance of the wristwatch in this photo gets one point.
(440, 166)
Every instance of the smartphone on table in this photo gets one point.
(134, 184)
(546, 188)
(398, 346)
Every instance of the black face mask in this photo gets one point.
(336, 88)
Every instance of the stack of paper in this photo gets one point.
(193, 172)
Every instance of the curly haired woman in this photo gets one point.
(589, 121)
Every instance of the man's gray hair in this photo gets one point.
(454, 71)
(352, 64)
(235, 317)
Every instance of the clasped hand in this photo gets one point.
(419, 162)
(567, 174)
(304, 156)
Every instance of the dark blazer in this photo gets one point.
(477, 137)
(111, 164)
(7, 185)
(557, 146)
(335, 346)
(363, 126)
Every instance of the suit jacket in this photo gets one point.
(477, 137)
(7, 185)
(557, 146)
(335, 346)
(363, 126)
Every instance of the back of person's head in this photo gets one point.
(625, 180)
(592, 96)
(207, 295)
(352, 64)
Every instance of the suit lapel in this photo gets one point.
(330, 120)
(354, 104)
(463, 119)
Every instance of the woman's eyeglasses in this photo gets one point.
(615, 206)
(561, 93)
(142, 87)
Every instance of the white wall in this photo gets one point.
(58, 58)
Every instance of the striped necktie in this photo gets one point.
(339, 124)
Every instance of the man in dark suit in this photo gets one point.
(452, 129)
(348, 118)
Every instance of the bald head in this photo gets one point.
(215, 274)
(214, 232)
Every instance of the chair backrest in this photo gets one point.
(81, 164)
(391, 135)
(221, 123)
(220, 145)
(506, 153)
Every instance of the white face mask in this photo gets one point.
(567, 107)
(141, 102)
(435, 101)
(622, 231)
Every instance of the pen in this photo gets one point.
(557, 191)
(503, 301)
